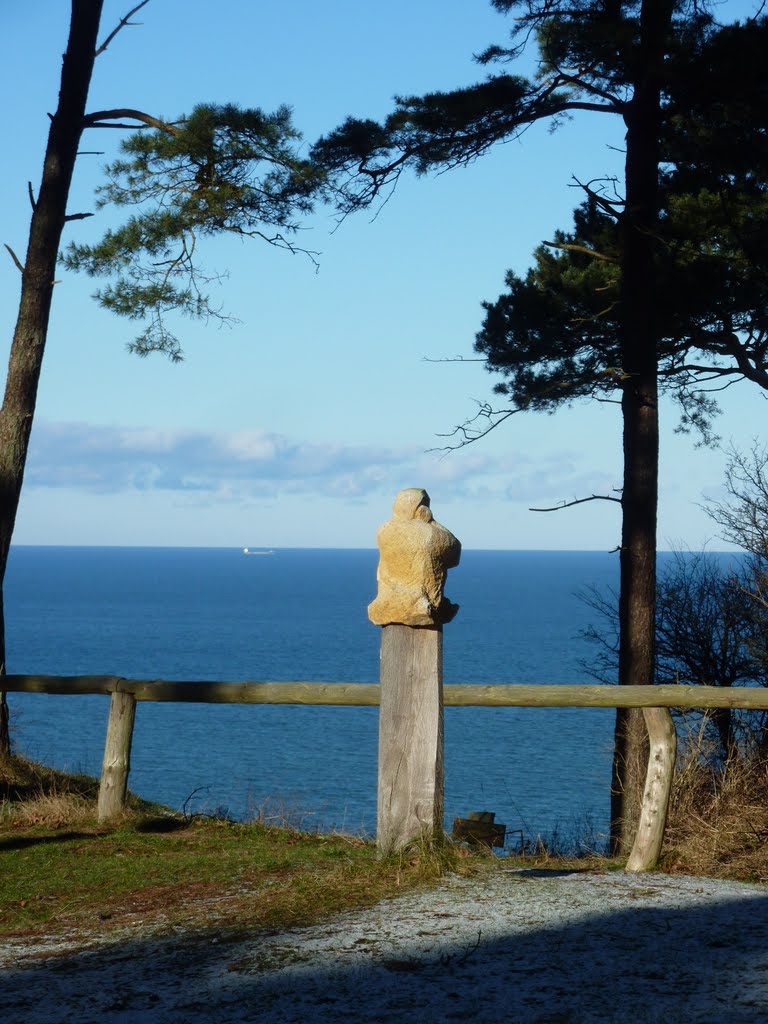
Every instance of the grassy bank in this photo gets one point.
(60, 870)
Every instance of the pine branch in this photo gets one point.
(14, 257)
(606, 205)
(452, 359)
(577, 501)
(563, 78)
(121, 25)
(582, 249)
(98, 118)
(468, 434)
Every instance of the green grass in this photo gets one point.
(266, 876)
(60, 870)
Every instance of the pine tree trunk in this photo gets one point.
(37, 281)
(639, 343)
(636, 602)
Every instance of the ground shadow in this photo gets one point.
(552, 872)
(645, 965)
(24, 842)
(161, 823)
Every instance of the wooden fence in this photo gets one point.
(457, 695)
(654, 699)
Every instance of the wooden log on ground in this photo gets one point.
(646, 848)
(411, 781)
(117, 756)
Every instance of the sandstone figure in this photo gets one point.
(415, 554)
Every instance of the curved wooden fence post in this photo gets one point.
(117, 755)
(658, 785)
(415, 555)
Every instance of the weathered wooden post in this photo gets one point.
(117, 756)
(415, 555)
(646, 848)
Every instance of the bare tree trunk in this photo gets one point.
(649, 836)
(723, 720)
(37, 280)
(639, 343)
(5, 731)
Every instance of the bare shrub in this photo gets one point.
(718, 815)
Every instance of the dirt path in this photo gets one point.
(524, 947)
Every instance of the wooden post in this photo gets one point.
(117, 755)
(410, 606)
(646, 848)
(410, 795)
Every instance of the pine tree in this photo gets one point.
(647, 63)
(221, 170)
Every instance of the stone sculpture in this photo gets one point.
(415, 554)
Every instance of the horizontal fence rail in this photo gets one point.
(655, 700)
(556, 695)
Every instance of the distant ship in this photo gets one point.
(253, 551)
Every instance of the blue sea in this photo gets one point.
(300, 614)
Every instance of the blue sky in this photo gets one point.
(296, 426)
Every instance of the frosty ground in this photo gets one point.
(524, 946)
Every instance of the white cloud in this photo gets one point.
(250, 445)
(240, 466)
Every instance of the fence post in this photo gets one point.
(646, 848)
(411, 777)
(117, 755)
(415, 555)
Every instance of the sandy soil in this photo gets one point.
(521, 946)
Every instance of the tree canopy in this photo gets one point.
(220, 170)
(554, 335)
(600, 311)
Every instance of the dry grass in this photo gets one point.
(718, 818)
(48, 810)
(22, 780)
(33, 795)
